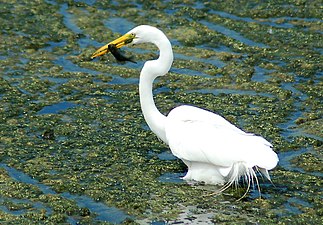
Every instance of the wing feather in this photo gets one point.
(198, 135)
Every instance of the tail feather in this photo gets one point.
(241, 170)
(260, 153)
(265, 173)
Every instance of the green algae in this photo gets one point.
(100, 147)
(12, 190)
(308, 162)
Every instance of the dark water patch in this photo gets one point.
(24, 178)
(121, 80)
(232, 91)
(285, 157)
(289, 128)
(271, 23)
(163, 89)
(289, 18)
(290, 210)
(290, 125)
(223, 48)
(233, 34)
(52, 44)
(199, 5)
(319, 76)
(300, 202)
(21, 90)
(319, 50)
(279, 63)
(56, 108)
(166, 155)
(216, 62)
(107, 98)
(260, 74)
(285, 161)
(5, 209)
(296, 93)
(119, 25)
(189, 72)
(86, 41)
(118, 4)
(104, 213)
(69, 66)
(158, 223)
(23, 61)
(297, 132)
(294, 204)
(170, 11)
(72, 221)
(12, 212)
(232, 16)
(88, 2)
(110, 90)
(175, 42)
(56, 80)
(254, 189)
(172, 178)
(145, 127)
(68, 19)
(137, 50)
(22, 203)
(281, 22)
(52, 2)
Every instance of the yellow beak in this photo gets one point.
(119, 42)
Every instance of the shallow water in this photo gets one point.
(74, 147)
(103, 212)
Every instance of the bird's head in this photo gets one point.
(139, 34)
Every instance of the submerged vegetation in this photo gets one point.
(74, 146)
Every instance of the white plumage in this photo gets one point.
(214, 150)
(220, 147)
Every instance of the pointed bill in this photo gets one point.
(119, 42)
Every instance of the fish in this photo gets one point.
(118, 55)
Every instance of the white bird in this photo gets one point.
(214, 150)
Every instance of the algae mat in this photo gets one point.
(75, 148)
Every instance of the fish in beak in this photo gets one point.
(118, 43)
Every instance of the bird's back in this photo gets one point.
(198, 135)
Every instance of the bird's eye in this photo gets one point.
(130, 38)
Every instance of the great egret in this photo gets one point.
(214, 150)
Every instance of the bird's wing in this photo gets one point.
(191, 114)
(197, 135)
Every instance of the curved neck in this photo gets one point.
(154, 119)
(151, 70)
